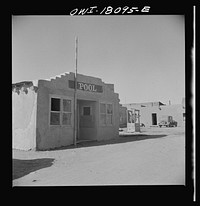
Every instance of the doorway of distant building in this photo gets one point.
(133, 120)
(154, 119)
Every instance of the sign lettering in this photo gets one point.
(86, 87)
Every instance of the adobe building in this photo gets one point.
(43, 112)
(152, 112)
(122, 116)
(129, 118)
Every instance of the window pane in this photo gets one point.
(66, 120)
(55, 118)
(66, 105)
(102, 119)
(102, 108)
(109, 109)
(86, 111)
(55, 104)
(109, 119)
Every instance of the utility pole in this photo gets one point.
(75, 91)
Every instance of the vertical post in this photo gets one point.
(75, 91)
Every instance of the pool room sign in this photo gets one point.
(86, 87)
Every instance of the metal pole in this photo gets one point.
(75, 91)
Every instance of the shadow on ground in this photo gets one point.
(24, 167)
(121, 139)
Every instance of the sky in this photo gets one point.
(142, 55)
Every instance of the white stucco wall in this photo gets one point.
(176, 111)
(24, 118)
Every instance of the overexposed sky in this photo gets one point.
(142, 55)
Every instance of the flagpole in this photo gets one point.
(75, 91)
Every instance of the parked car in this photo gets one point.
(167, 121)
(168, 124)
(142, 125)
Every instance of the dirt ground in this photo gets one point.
(156, 156)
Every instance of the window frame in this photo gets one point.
(56, 112)
(61, 112)
(66, 112)
(100, 113)
(82, 113)
(106, 115)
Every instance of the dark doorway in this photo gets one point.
(154, 119)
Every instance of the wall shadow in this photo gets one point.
(119, 140)
(24, 167)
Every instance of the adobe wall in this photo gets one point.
(24, 103)
(176, 111)
(51, 136)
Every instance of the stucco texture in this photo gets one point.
(24, 119)
(52, 136)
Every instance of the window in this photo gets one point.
(103, 114)
(60, 113)
(55, 118)
(55, 104)
(66, 113)
(66, 105)
(86, 111)
(55, 111)
(106, 114)
(109, 113)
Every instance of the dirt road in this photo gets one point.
(157, 157)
